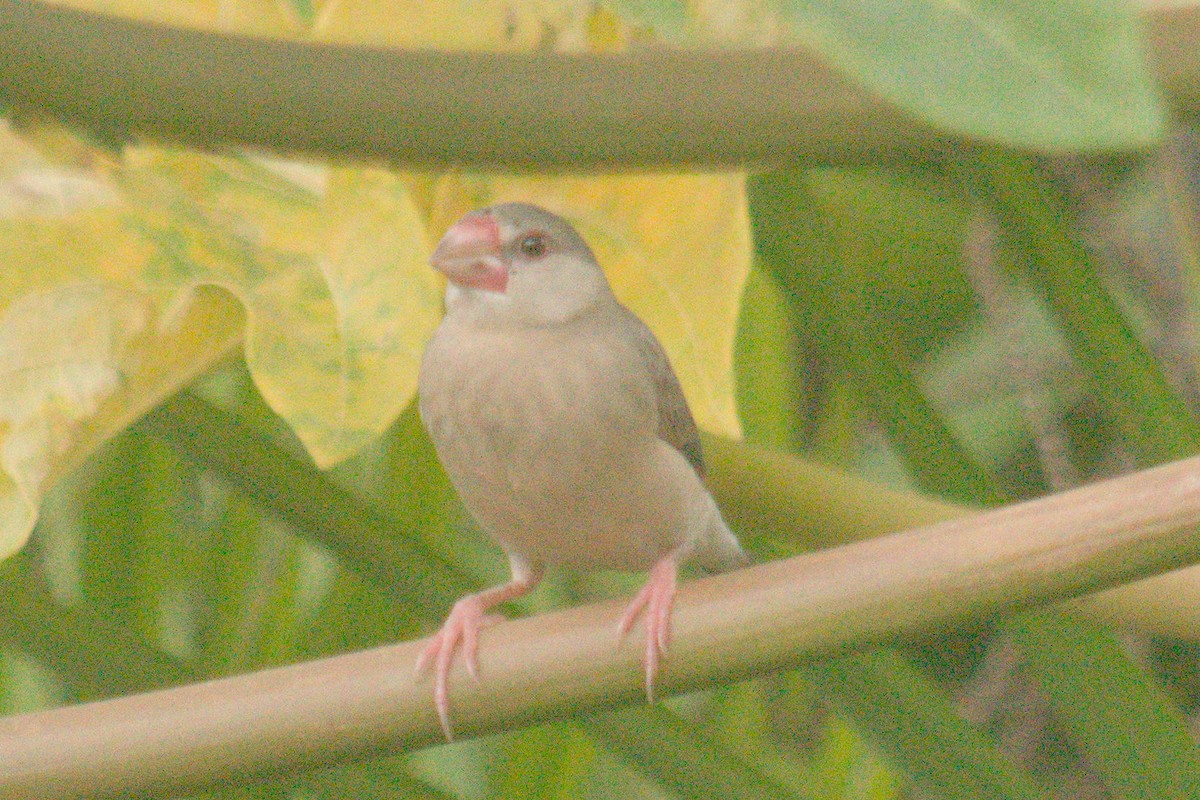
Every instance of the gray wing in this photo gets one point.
(675, 424)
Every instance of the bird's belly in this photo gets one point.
(614, 514)
(560, 464)
(580, 500)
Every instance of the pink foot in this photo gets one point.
(461, 629)
(656, 599)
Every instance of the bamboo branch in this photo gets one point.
(813, 506)
(766, 618)
(422, 108)
(426, 108)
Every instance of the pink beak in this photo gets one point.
(469, 254)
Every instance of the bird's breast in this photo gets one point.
(505, 393)
(550, 439)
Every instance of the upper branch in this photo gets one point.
(424, 108)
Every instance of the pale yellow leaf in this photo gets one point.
(331, 265)
(79, 363)
(253, 17)
(676, 249)
(60, 215)
(105, 305)
(472, 25)
(493, 25)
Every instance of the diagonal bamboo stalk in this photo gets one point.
(766, 618)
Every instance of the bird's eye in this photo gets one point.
(533, 245)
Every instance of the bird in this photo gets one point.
(563, 428)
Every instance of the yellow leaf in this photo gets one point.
(79, 363)
(331, 265)
(250, 17)
(106, 306)
(60, 215)
(492, 25)
(676, 249)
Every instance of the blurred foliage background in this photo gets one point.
(207, 430)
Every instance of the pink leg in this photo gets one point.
(462, 628)
(656, 599)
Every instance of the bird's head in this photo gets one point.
(517, 263)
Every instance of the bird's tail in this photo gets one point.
(718, 550)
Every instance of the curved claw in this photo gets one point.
(461, 629)
(655, 600)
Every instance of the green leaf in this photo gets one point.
(1049, 76)
(381, 779)
(694, 765)
(286, 486)
(1044, 246)
(1033, 74)
(915, 723)
(546, 761)
(769, 379)
(94, 655)
(867, 263)
(1134, 737)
